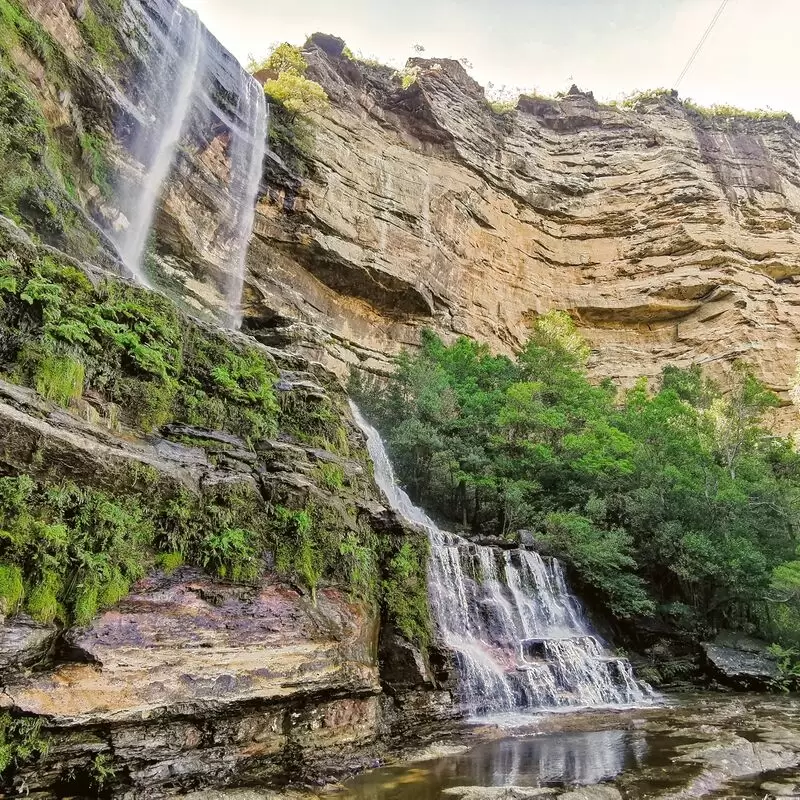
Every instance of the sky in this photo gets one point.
(611, 47)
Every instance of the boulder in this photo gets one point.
(24, 643)
(740, 662)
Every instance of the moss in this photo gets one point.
(169, 562)
(21, 741)
(86, 602)
(93, 149)
(12, 589)
(43, 604)
(314, 420)
(404, 589)
(331, 476)
(59, 378)
(319, 543)
(76, 548)
(100, 36)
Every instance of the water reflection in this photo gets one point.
(564, 758)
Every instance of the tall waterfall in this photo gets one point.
(520, 637)
(174, 77)
(194, 91)
(246, 154)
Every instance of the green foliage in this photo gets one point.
(21, 741)
(725, 111)
(331, 476)
(316, 543)
(131, 347)
(100, 35)
(296, 549)
(77, 549)
(12, 589)
(408, 76)
(404, 590)
(169, 562)
(788, 659)
(93, 151)
(298, 95)
(678, 502)
(642, 99)
(503, 106)
(59, 378)
(313, 420)
(284, 57)
(103, 770)
(231, 553)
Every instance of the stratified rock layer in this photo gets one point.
(671, 238)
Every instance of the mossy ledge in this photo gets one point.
(139, 440)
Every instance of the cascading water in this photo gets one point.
(194, 90)
(246, 153)
(180, 55)
(521, 639)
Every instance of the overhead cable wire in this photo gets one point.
(700, 44)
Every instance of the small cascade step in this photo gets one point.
(521, 639)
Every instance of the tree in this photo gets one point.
(298, 95)
(283, 58)
(676, 501)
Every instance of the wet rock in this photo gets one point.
(24, 643)
(190, 678)
(248, 794)
(499, 792)
(781, 789)
(402, 664)
(599, 792)
(729, 756)
(740, 662)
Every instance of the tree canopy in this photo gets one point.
(677, 502)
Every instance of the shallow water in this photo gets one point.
(645, 753)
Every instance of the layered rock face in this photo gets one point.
(671, 238)
(192, 679)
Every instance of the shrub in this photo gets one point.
(284, 57)
(298, 95)
(21, 741)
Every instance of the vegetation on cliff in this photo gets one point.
(677, 501)
(293, 99)
(126, 358)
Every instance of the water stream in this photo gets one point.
(246, 153)
(155, 144)
(521, 639)
(192, 92)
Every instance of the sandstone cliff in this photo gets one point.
(670, 237)
(232, 626)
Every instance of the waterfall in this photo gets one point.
(194, 86)
(175, 70)
(246, 153)
(521, 639)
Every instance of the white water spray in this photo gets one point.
(521, 639)
(246, 153)
(177, 67)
